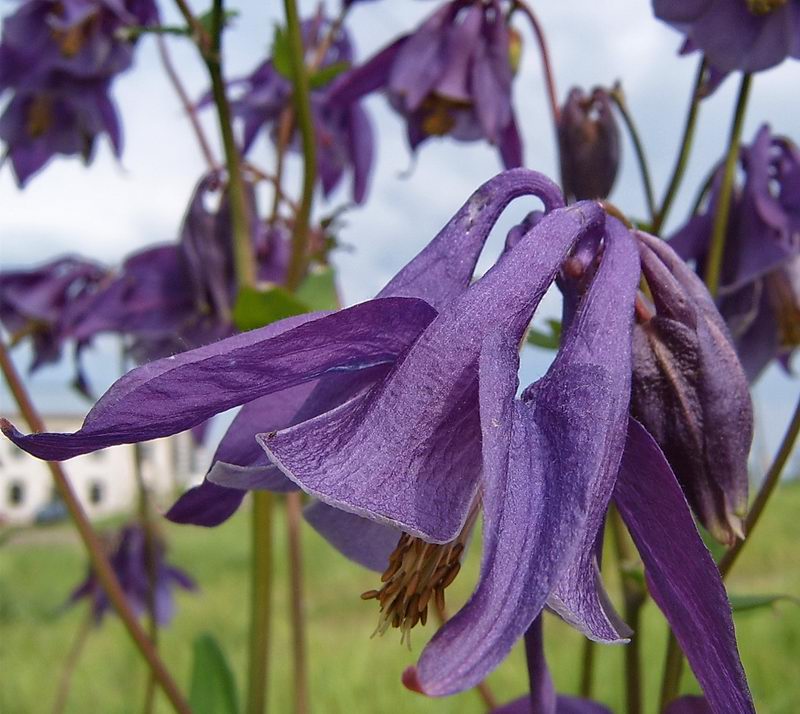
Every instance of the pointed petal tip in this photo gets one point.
(411, 680)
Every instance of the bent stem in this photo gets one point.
(619, 99)
(683, 154)
(717, 249)
(294, 517)
(71, 662)
(674, 661)
(302, 111)
(97, 555)
(260, 602)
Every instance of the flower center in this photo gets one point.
(40, 117)
(764, 7)
(417, 576)
(438, 114)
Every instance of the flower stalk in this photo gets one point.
(294, 519)
(97, 555)
(717, 250)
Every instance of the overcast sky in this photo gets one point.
(115, 207)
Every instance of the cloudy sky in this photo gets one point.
(116, 207)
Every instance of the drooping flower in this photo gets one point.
(691, 393)
(747, 35)
(343, 130)
(759, 295)
(588, 140)
(130, 562)
(59, 59)
(450, 77)
(432, 432)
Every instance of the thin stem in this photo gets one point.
(685, 150)
(771, 480)
(199, 33)
(260, 602)
(717, 250)
(674, 660)
(634, 597)
(186, 103)
(294, 517)
(97, 555)
(285, 128)
(483, 690)
(547, 66)
(302, 108)
(619, 99)
(587, 669)
(71, 662)
(242, 243)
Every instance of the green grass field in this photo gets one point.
(349, 671)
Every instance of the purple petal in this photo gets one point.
(364, 541)
(174, 394)
(205, 505)
(681, 574)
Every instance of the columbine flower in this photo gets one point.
(588, 140)
(759, 291)
(450, 77)
(58, 58)
(343, 130)
(747, 35)
(129, 561)
(431, 432)
(40, 305)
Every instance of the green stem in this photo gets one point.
(634, 597)
(260, 602)
(302, 109)
(294, 517)
(587, 669)
(647, 183)
(717, 250)
(242, 242)
(97, 554)
(683, 155)
(71, 662)
(673, 669)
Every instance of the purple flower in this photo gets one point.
(40, 305)
(758, 296)
(452, 76)
(747, 35)
(130, 563)
(588, 140)
(343, 130)
(58, 59)
(407, 425)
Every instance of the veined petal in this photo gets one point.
(681, 574)
(548, 473)
(444, 268)
(173, 394)
(407, 453)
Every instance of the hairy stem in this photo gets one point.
(683, 154)
(718, 234)
(97, 554)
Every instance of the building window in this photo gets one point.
(96, 492)
(16, 493)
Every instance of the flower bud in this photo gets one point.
(690, 393)
(588, 140)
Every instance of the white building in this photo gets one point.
(104, 481)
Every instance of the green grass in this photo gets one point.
(349, 671)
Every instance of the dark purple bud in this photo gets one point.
(690, 392)
(588, 140)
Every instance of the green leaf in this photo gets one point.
(318, 290)
(546, 340)
(258, 307)
(744, 603)
(212, 689)
(282, 52)
(326, 74)
(206, 20)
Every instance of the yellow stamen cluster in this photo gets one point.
(764, 7)
(417, 576)
(439, 114)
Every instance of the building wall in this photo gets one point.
(104, 481)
